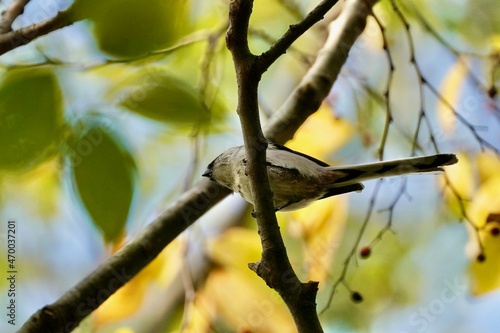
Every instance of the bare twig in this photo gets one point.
(16, 38)
(427, 26)
(316, 84)
(15, 9)
(279, 48)
(301, 55)
(423, 81)
(421, 120)
(423, 117)
(354, 248)
(390, 209)
(388, 112)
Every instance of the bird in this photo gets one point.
(297, 179)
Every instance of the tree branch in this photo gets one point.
(274, 267)
(16, 38)
(67, 312)
(279, 48)
(15, 9)
(316, 84)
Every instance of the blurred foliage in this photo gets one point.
(39, 187)
(484, 211)
(257, 307)
(166, 61)
(31, 122)
(130, 28)
(451, 90)
(323, 121)
(159, 96)
(473, 23)
(127, 301)
(103, 174)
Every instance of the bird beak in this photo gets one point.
(208, 173)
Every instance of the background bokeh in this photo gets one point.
(106, 122)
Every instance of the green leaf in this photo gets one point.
(131, 28)
(31, 119)
(103, 175)
(165, 98)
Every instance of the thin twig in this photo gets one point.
(472, 128)
(427, 26)
(267, 58)
(423, 117)
(303, 56)
(299, 297)
(312, 90)
(9, 15)
(388, 112)
(388, 225)
(347, 261)
(16, 38)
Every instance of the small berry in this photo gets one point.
(365, 252)
(492, 92)
(356, 297)
(481, 257)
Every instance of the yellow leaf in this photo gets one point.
(124, 330)
(321, 227)
(495, 42)
(485, 275)
(128, 300)
(235, 248)
(246, 303)
(461, 178)
(199, 314)
(488, 165)
(308, 141)
(450, 90)
(485, 201)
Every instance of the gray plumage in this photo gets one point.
(298, 180)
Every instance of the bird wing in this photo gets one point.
(275, 146)
(356, 187)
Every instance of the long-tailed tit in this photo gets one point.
(297, 180)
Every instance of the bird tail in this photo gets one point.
(355, 174)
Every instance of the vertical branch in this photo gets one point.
(274, 267)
